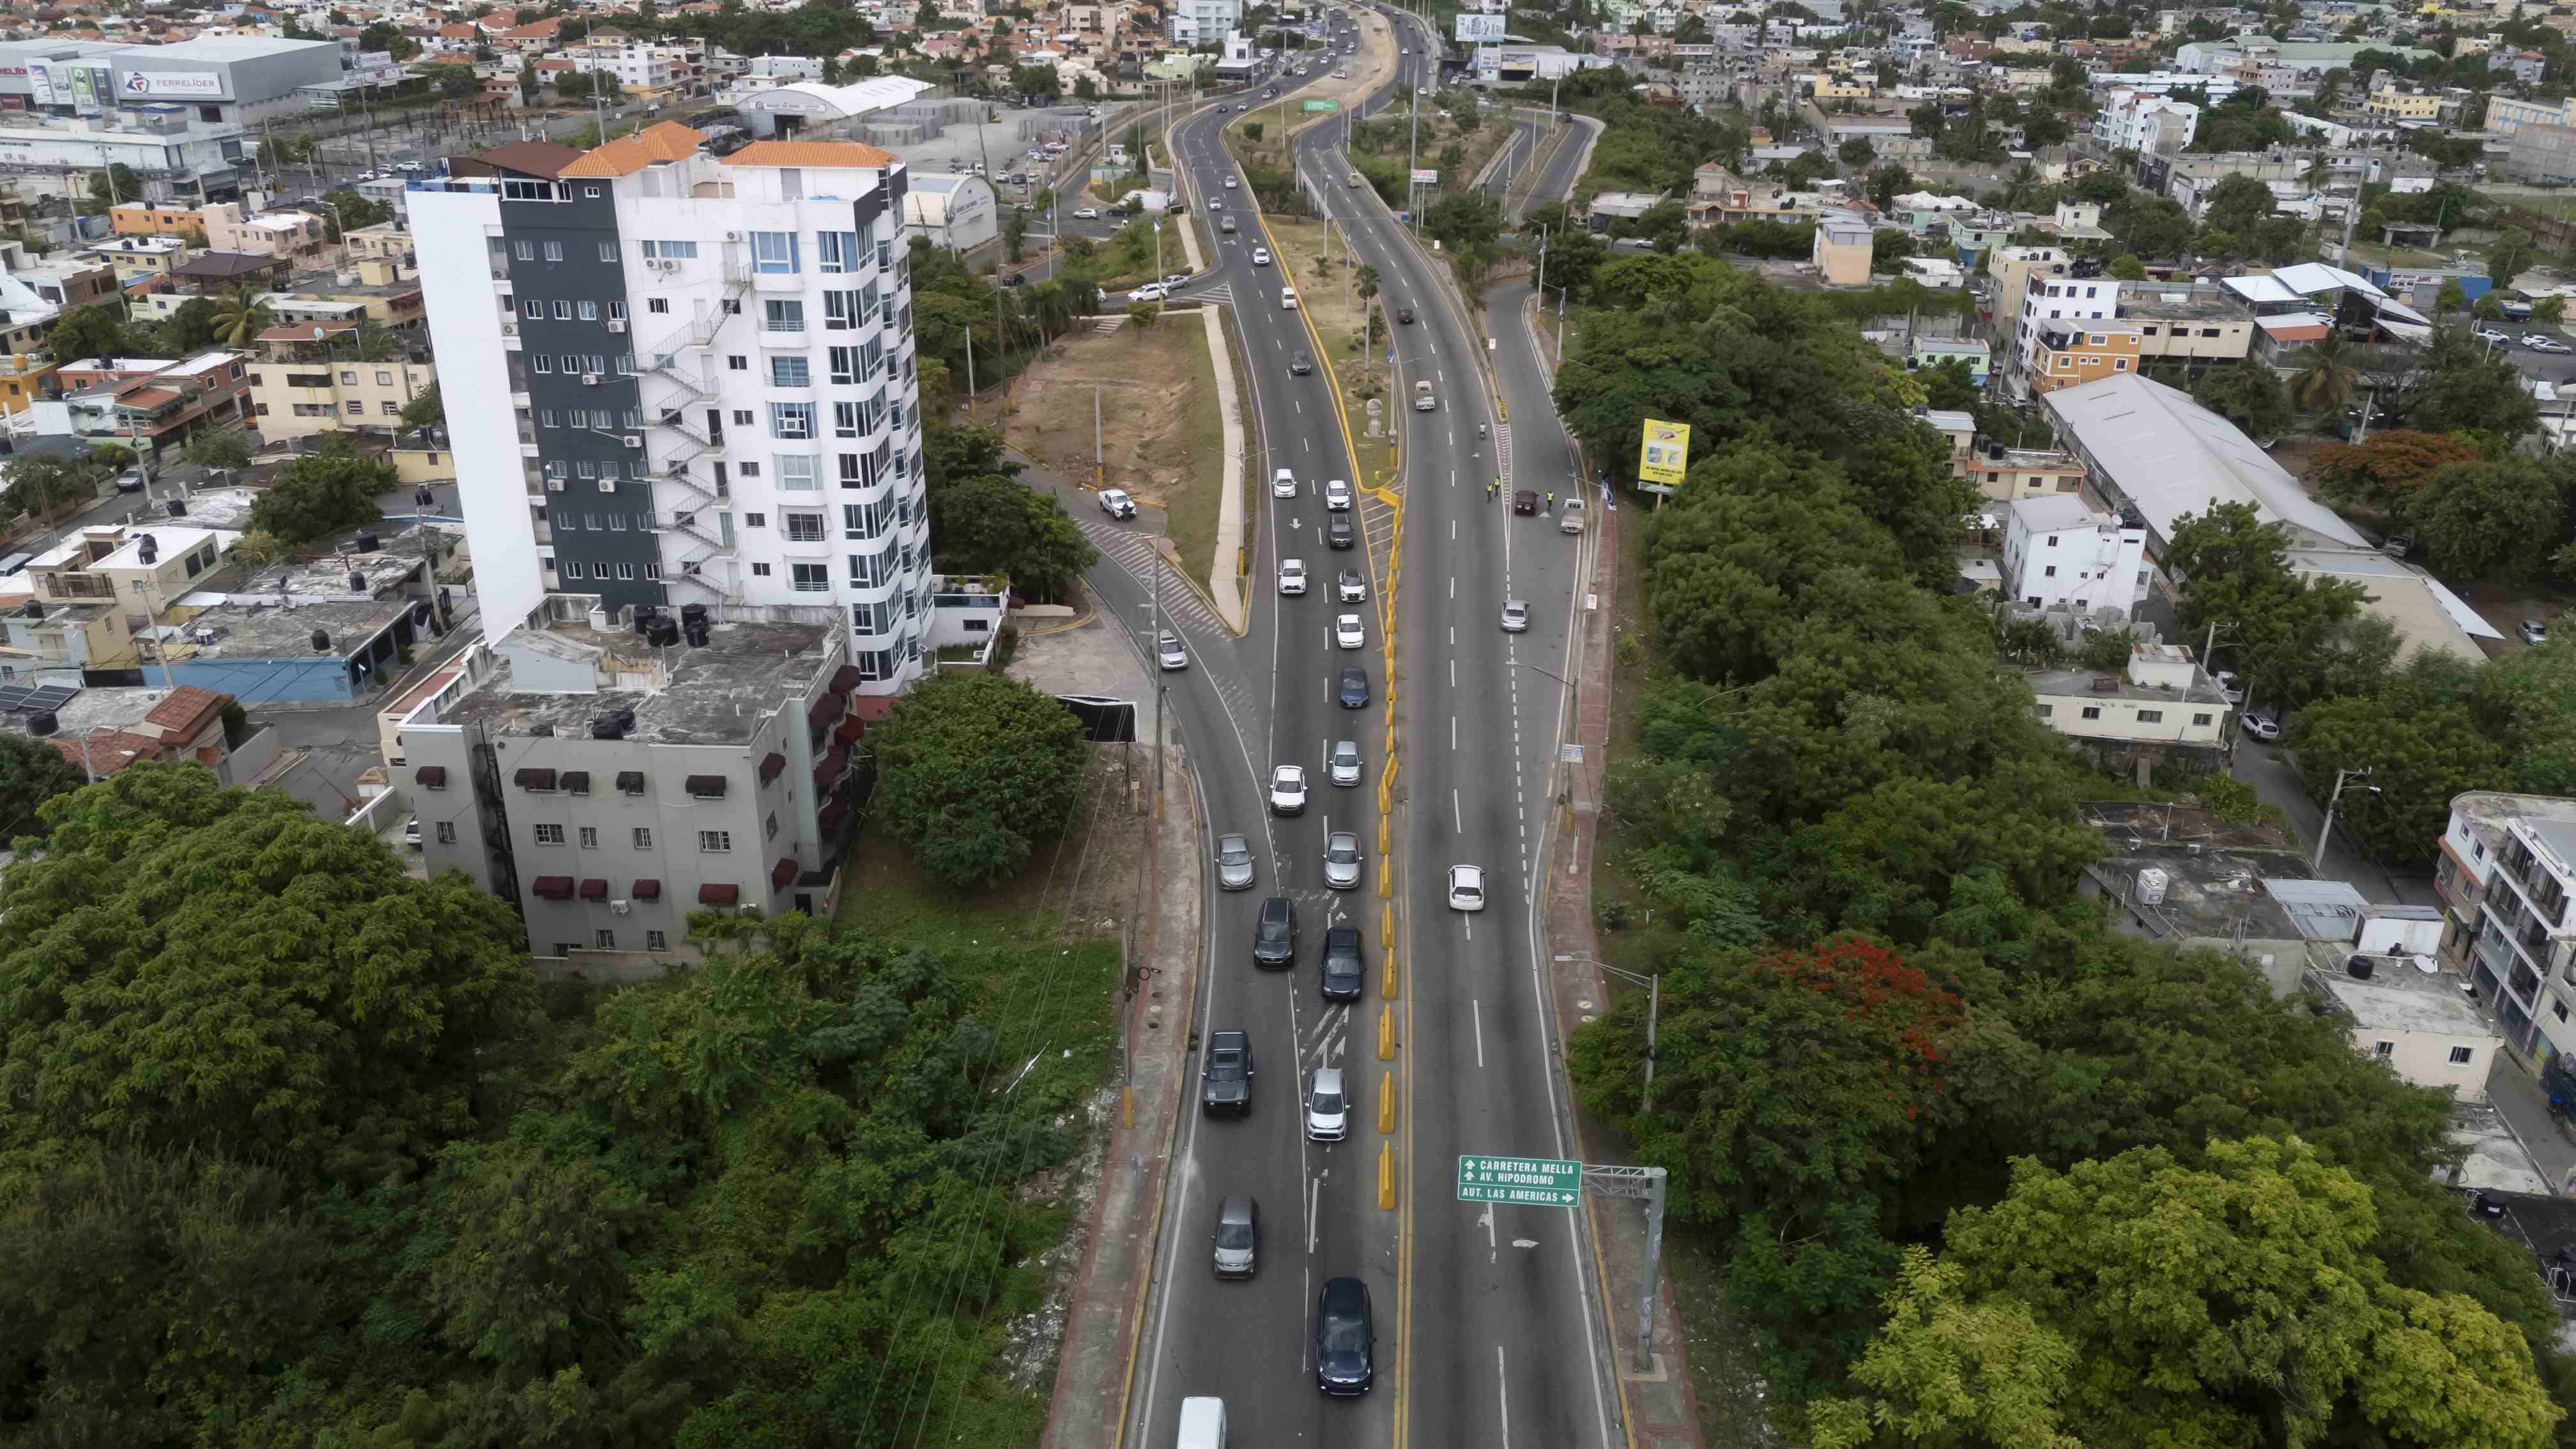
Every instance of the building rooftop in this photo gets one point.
(2093, 684)
(169, 541)
(2170, 456)
(663, 141)
(2406, 994)
(2057, 511)
(328, 577)
(2145, 300)
(2423, 608)
(820, 155)
(718, 695)
(255, 629)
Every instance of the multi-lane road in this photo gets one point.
(1487, 1322)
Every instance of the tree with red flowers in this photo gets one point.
(2382, 472)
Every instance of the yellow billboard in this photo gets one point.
(1666, 454)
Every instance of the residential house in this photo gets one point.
(304, 383)
(2061, 552)
(2161, 702)
(151, 405)
(300, 235)
(1842, 249)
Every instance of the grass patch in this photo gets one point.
(1361, 372)
(1162, 436)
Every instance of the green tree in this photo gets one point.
(97, 330)
(531, 85)
(975, 771)
(2460, 392)
(427, 410)
(1015, 233)
(40, 482)
(2451, 298)
(242, 317)
(2327, 375)
(2496, 521)
(2247, 394)
(2236, 575)
(353, 211)
(2549, 311)
(32, 772)
(384, 35)
(116, 184)
(2128, 268)
(321, 494)
(1884, 183)
(993, 524)
(1857, 153)
(2238, 204)
(2419, 760)
(219, 448)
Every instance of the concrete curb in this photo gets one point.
(1225, 575)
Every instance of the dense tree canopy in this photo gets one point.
(975, 771)
(322, 493)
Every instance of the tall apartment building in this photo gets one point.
(2133, 120)
(2507, 878)
(673, 378)
(2050, 298)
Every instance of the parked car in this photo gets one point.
(1116, 503)
(1086, 213)
(2533, 631)
(1233, 863)
(1344, 971)
(130, 481)
(1292, 576)
(1466, 887)
(1288, 790)
(1150, 292)
(1350, 588)
(2490, 334)
(1344, 762)
(1237, 1239)
(1342, 860)
(2538, 343)
(1225, 1077)
(2228, 687)
(411, 832)
(1352, 689)
(1168, 651)
(1328, 1111)
(2263, 727)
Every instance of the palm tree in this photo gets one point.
(241, 318)
(1051, 307)
(2318, 169)
(2326, 376)
(2025, 180)
(1365, 282)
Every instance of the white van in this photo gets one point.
(1202, 1424)
(1287, 299)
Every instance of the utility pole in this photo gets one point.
(1099, 460)
(2316, 862)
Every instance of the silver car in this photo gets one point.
(1342, 860)
(1168, 650)
(1237, 1239)
(1328, 1110)
(1345, 762)
(1233, 863)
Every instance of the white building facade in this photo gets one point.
(2058, 552)
(2134, 120)
(2050, 299)
(680, 379)
(1205, 22)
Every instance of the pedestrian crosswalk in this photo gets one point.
(1184, 608)
(1222, 294)
(1503, 455)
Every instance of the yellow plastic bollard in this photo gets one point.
(1385, 843)
(1386, 922)
(1390, 976)
(1386, 1177)
(1386, 1102)
(1386, 1034)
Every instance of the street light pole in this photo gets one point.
(2316, 862)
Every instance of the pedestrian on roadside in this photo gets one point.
(1551, 500)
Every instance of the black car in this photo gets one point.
(1343, 973)
(1013, 279)
(1340, 532)
(1274, 933)
(1404, 315)
(1301, 363)
(1353, 689)
(1225, 1081)
(1345, 1339)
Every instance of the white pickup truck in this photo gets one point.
(1423, 402)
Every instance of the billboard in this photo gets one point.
(195, 85)
(1666, 453)
(1480, 29)
(92, 89)
(1424, 176)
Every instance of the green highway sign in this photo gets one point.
(1530, 1181)
(1323, 105)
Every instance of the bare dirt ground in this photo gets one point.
(1161, 437)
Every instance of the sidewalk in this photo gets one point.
(1225, 579)
(1098, 1356)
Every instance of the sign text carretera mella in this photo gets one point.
(1529, 1181)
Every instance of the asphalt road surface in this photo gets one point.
(1486, 1325)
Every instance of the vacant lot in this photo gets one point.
(1361, 371)
(1160, 434)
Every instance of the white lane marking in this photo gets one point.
(1479, 1006)
(1456, 814)
(1314, 1195)
(1503, 1395)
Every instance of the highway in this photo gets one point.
(1487, 1328)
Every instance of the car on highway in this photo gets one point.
(1301, 363)
(1349, 633)
(1423, 401)
(1237, 1239)
(1261, 256)
(2533, 631)
(1226, 225)
(1292, 576)
(1086, 213)
(1230, 183)
(1283, 484)
(1345, 970)
(1287, 299)
(1404, 315)
(1116, 503)
(1225, 1077)
(1342, 860)
(1150, 292)
(1274, 933)
(1345, 1339)
(1328, 1111)
(1288, 790)
(1338, 531)
(1515, 616)
(2538, 343)
(1342, 763)
(1350, 588)
(1337, 495)
(1351, 687)
(1233, 863)
(2489, 334)
(1168, 651)
(1525, 501)
(2263, 727)
(1466, 887)
(1216, 206)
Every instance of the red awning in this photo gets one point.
(849, 730)
(551, 888)
(430, 777)
(845, 679)
(830, 767)
(719, 895)
(707, 787)
(832, 813)
(594, 889)
(770, 765)
(576, 782)
(631, 781)
(781, 873)
(535, 779)
(825, 710)
(647, 890)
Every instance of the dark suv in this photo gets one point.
(1343, 972)
(1338, 532)
(1274, 934)
(1345, 1339)
(1225, 1080)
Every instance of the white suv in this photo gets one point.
(1337, 496)
(1292, 576)
(1283, 484)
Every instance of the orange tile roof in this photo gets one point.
(667, 141)
(824, 154)
(186, 710)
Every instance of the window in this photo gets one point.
(809, 578)
(554, 251)
(769, 830)
(616, 311)
(657, 304)
(791, 420)
(2051, 572)
(781, 315)
(2119, 364)
(524, 251)
(2385, 1048)
(790, 372)
(755, 520)
(604, 938)
(563, 311)
(684, 251)
(643, 838)
(533, 310)
(805, 527)
(544, 363)
(798, 473)
(2460, 1056)
(715, 842)
(2092, 711)
(844, 311)
(607, 250)
(2151, 716)
(774, 252)
(357, 408)
(586, 311)
(760, 571)
(550, 835)
(845, 420)
(845, 365)
(655, 941)
(838, 251)
(2200, 717)
(549, 418)
(589, 837)
(447, 836)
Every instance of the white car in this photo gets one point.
(1328, 1108)
(1466, 887)
(2538, 343)
(1168, 651)
(2263, 727)
(1350, 587)
(1337, 496)
(1515, 616)
(1176, 279)
(1292, 576)
(2489, 334)
(2229, 688)
(1229, 183)
(1283, 484)
(1288, 790)
(1343, 764)
(1150, 292)
(1349, 633)
(1261, 256)
(1116, 503)
(1342, 860)
(1086, 213)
